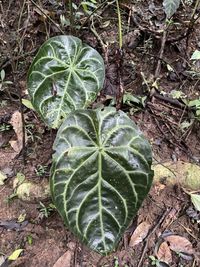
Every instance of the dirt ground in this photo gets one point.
(24, 26)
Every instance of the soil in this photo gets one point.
(23, 28)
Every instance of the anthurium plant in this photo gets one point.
(101, 170)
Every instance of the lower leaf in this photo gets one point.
(100, 175)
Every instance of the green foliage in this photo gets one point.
(65, 75)
(170, 7)
(45, 211)
(15, 255)
(41, 170)
(195, 103)
(27, 103)
(195, 198)
(101, 169)
(88, 4)
(3, 82)
(196, 55)
(101, 173)
(4, 127)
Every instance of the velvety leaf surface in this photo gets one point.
(65, 75)
(100, 175)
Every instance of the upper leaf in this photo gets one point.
(101, 173)
(170, 7)
(65, 75)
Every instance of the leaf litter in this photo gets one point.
(16, 122)
(139, 234)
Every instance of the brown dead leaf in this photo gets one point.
(64, 260)
(16, 122)
(139, 234)
(179, 244)
(164, 253)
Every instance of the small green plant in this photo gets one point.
(137, 103)
(101, 167)
(29, 239)
(45, 211)
(196, 104)
(3, 82)
(5, 127)
(41, 170)
(77, 12)
(154, 261)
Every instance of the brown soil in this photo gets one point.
(23, 29)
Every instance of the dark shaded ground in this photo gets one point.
(23, 28)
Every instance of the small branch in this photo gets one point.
(93, 12)
(119, 55)
(54, 23)
(164, 38)
(120, 93)
(71, 16)
(103, 45)
(192, 21)
(150, 234)
(119, 25)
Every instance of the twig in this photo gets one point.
(119, 55)
(172, 101)
(93, 12)
(103, 45)
(188, 231)
(156, 34)
(20, 40)
(119, 25)
(120, 93)
(192, 22)
(71, 16)
(47, 16)
(75, 254)
(160, 163)
(164, 38)
(150, 234)
(17, 85)
(166, 62)
(7, 62)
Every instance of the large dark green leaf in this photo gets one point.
(65, 75)
(100, 175)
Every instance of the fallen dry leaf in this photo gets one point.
(64, 260)
(16, 122)
(139, 234)
(164, 253)
(179, 244)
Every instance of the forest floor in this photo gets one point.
(158, 77)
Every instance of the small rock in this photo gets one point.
(32, 192)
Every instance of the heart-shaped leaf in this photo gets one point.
(101, 173)
(65, 75)
(170, 7)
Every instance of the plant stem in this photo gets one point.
(93, 12)
(192, 21)
(119, 25)
(71, 16)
